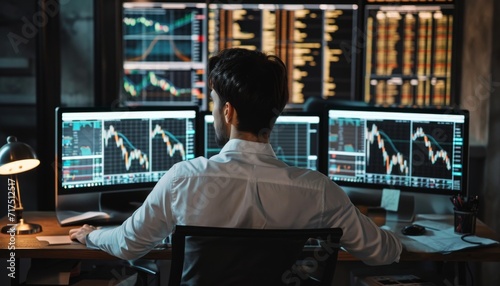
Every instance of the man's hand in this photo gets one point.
(80, 234)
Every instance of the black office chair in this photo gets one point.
(235, 256)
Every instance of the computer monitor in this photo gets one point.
(315, 39)
(166, 46)
(295, 139)
(411, 53)
(414, 150)
(164, 53)
(109, 159)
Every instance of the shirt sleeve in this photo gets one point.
(361, 236)
(148, 226)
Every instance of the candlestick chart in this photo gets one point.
(388, 149)
(432, 150)
(123, 147)
(410, 150)
(397, 152)
(126, 146)
(172, 140)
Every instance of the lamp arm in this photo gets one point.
(19, 204)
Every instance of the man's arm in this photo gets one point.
(148, 226)
(362, 237)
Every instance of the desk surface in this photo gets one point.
(27, 246)
(478, 254)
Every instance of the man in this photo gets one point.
(245, 185)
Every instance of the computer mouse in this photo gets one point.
(413, 229)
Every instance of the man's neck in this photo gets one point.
(248, 136)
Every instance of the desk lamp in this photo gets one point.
(17, 157)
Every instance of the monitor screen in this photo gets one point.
(164, 53)
(166, 46)
(116, 148)
(295, 139)
(409, 53)
(419, 150)
(315, 40)
(104, 150)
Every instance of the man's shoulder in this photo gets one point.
(192, 164)
(305, 172)
(315, 179)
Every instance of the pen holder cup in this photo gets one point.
(465, 222)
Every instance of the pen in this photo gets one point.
(469, 204)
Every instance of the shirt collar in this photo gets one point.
(244, 146)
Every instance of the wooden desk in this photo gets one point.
(27, 246)
(475, 254)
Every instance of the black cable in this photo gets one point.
(468, 241)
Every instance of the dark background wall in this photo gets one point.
(491, 175)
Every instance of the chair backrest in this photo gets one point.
(236, 256)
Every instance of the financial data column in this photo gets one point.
(314, 41)
(81, 152)
(408, 57)
(164, 53)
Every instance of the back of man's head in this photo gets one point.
(256, 85)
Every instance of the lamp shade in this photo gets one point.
(16, 157)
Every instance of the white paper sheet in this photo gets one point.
(56, 239)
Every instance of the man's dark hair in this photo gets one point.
(255, 84)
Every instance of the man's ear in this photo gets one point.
(229, 113)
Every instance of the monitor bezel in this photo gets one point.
(107, 188)
(415, 110)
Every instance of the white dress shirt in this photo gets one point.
(246, 186)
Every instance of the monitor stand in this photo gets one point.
(121, 206)
(406, 210)
(110, 208)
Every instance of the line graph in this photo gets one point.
(172, 141)
(432, 150)
(387, 153)
(162, 35)
(166, 136)
(160, 85)
(126, 146)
